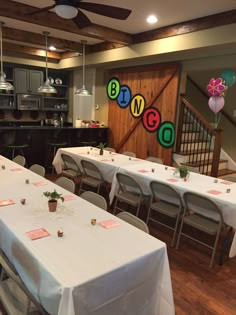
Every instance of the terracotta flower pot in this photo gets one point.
(52, 205)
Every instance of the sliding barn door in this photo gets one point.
(158, 84)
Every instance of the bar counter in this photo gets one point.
(38, 139)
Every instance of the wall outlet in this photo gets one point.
(234, 113)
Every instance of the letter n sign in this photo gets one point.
(137, 105)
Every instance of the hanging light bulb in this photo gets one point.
(46, 87)
(4, 85)
(83, 91)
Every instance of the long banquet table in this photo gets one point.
(204, 185)
(108, 163)
(90, 270)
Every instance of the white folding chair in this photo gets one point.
(205, 217)
(38, 169)
(132, 219)
(19, 159)
(95, 199)
(154, 159)
(128, 153)
(66, 183)
(14, 296)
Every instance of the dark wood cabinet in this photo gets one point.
(27, 81)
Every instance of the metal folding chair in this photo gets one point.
(166, 201)
(206, 217)
(66, 183)
(91, 176)
(154, 159)
(95, 199)
(38, 169)
(135, 221)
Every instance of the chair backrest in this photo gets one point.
(132, 154)
(165, 192)
(132, 219)
(66, 183)
(229, 178)
(70, 163)
(154, 159)
(109, 149)
(95, 199)
(127, 183)
(8, 268)
(90, 169)
(192, 169)
(38, 169)
(19, 159)
(203, 206)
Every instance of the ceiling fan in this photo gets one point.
(70, 9)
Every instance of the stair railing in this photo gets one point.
(198, 139)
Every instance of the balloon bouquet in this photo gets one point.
(216, 89)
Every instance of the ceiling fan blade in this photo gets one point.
(42, 10)
(105, 10)
(81, 20)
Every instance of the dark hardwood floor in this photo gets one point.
(197, 289)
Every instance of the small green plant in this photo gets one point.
(101, 145)
(54, 195)
(183, 171)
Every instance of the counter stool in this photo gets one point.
(16, 148)
(53, 147)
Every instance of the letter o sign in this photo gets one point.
(151, 119)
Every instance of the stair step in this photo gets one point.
(195, 141)
(202, 162)
(224, 172)
(202, 151)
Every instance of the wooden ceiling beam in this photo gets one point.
(26, 50)
(19, 11)
(199, 24)
(39, 39)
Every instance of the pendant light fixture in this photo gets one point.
(46, 87)
(83, 91)
(4, 85)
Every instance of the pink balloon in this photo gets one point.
(216, 103)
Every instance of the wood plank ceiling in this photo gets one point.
(29, 43)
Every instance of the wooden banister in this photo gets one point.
(216, 152)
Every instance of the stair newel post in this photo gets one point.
(180, 125)
(216, 153)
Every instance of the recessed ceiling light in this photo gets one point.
(151, 19)
(52, 48)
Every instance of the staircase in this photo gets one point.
(199, 143)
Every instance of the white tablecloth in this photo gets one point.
(108, 163)
(90, 270)
(196, 183)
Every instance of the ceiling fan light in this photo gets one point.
(66, 11)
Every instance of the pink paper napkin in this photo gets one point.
(6, 202)
(17, 169)
(106, 160)
(172, 180)
(36, 234)
(214, 192)
(69, 197)
(226, 182)
(135, 159)
(40, 184)
(143, 171)
(109, 224)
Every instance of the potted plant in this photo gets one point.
(101, 146)
(183, 171)
(53, 197)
